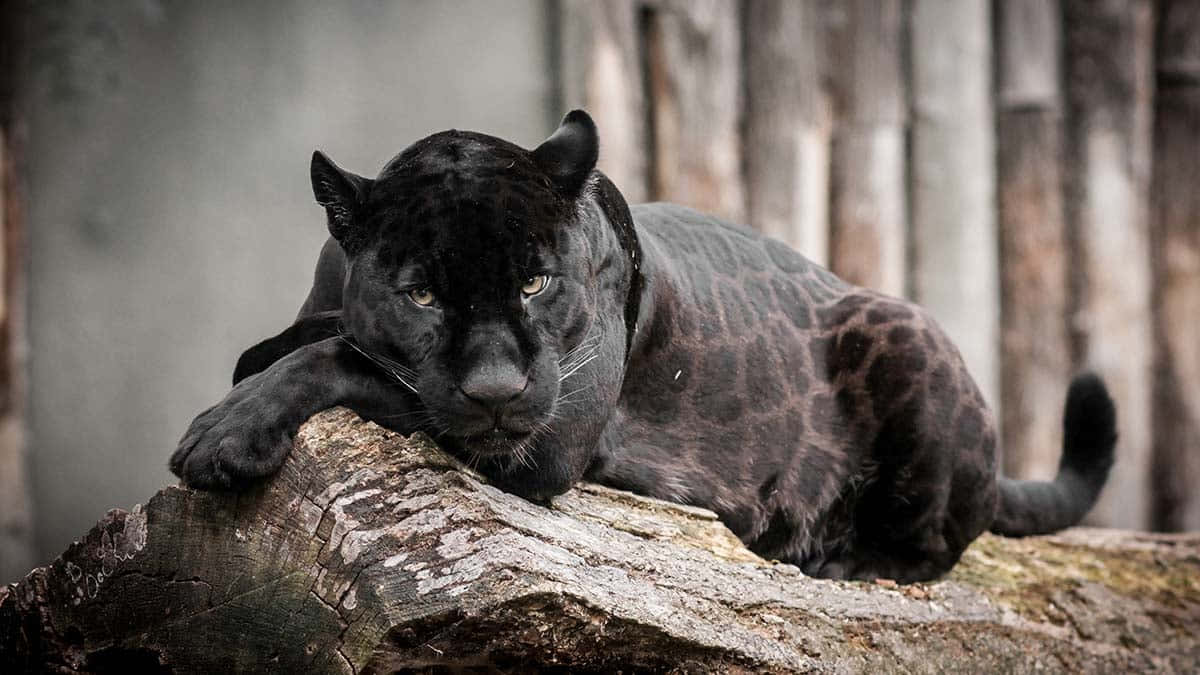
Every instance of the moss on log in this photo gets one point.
(375, 553)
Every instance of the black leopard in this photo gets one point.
(510, 304)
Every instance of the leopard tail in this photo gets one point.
(1089, 436)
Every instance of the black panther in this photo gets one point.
(510, 304)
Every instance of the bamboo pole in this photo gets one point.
(16, 511)
(953, 178)
(788, 125)
(600, 58)
(1176, 254)
(1035, 349)
(693, 66)
(869, 209)
(1108, 75)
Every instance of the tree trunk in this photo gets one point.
(370, 553)
(693, 65)
(600, 59)
(1176, 255)
(1035, 349)
(954, 265)
(16, 518)
(869, 205)
(1109, 86)
(788, 124)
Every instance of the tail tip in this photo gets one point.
(1090, 422)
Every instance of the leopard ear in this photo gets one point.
(341, 193)
(570, 154)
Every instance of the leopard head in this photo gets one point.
(495, 283)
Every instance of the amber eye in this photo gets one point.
(421, 296)
(535, 285)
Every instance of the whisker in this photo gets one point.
(422, 414)
(440, 427)
(580, 348)
(591, 341)
(522, 455)
(571, 399)
(579, 362)
(572, 405)
(574, 391)
(387, 365)
(575, 368)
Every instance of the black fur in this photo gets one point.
(668, 353)
(1089, 437)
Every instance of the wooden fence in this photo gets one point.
(1027, 169)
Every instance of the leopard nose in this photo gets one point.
(495, 386)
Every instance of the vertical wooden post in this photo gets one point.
(1176, 255)
(693, 63)
(869, 210)
(16, 518)
(1109, 88)
(788, 124)
(1035, 350)
(953, 176)
(601, 70)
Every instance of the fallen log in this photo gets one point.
(375, 553)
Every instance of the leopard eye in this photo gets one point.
(535, 285)
(421, 296)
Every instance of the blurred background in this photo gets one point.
(1027, 169)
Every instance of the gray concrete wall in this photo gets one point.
(171, 221)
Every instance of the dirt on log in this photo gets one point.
(375, 553)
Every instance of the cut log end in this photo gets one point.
(370, 552)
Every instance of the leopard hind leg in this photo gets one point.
(932, 490)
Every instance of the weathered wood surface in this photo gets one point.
(1035, 349)
(372, 553)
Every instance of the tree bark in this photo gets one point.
(1109, 85)
(693, 68)
(1176, 255)
(1035, 348)
(16, 515)
(868, 230)
(373, 553)
(600, 58)
(954, 263)
(788, 124)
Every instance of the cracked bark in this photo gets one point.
(373, 553)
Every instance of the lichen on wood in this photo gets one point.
(375, 553)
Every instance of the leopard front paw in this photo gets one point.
(234, 444)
